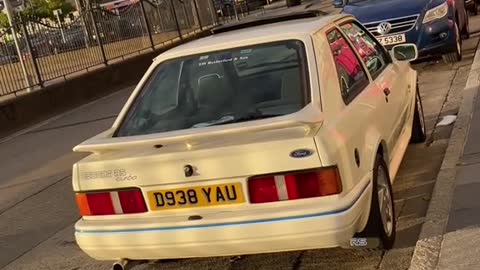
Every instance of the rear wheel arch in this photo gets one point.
(377, 148)
(373, 143)
(381, 149)
(381, 221)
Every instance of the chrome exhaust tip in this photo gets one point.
(120, 265)
(125, 264)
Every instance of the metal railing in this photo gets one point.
(98, 36)
(232, 11)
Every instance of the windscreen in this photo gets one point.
(222, 87)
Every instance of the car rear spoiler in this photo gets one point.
(104, 142)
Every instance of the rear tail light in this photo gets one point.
(132, 202)
(263, 190)
(294, 186)
(111, 203)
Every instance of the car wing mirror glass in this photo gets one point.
(405, 52)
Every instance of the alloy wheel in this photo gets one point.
(420, 115)
(385, 201)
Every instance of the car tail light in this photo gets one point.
(294, 186)
(132, 202)
(111, 203)
(263, 190)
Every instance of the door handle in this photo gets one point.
(386, 91)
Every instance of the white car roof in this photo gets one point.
(292, 29)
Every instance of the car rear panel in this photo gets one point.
(290, 225)
(213, 160)
(219, 165)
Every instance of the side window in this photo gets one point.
(372, 53)
(351, 75)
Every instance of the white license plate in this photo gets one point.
(391, 40)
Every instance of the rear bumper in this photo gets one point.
(320, 230)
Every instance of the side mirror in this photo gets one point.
(340, 3)
(405, 52)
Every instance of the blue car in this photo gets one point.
(435, 26)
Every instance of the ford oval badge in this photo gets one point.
(301, 153)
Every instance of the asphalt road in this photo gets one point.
(37, 210)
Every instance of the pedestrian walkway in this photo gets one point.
(450, 233)
(461, 243)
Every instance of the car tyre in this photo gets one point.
(466, 27)
(455, 56)
(381, 221)
(419, 134)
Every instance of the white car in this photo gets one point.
(283, 135)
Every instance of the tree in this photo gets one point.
(43, 9)
(4, 20)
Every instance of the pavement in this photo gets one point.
(37, 208)
(449, 238)
(451, 229)
(460, 243)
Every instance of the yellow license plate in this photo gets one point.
(202, 196)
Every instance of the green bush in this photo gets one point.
(4, 21)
